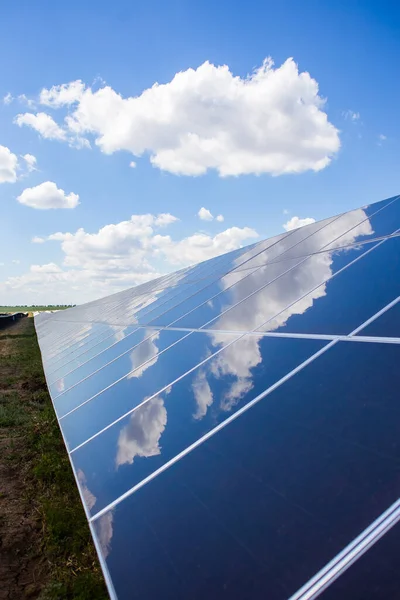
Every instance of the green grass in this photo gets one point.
(32, 308)
(66, 545)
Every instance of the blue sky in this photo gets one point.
(258, 146)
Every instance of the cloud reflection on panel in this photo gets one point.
(80, 335)
(275, 305)
(308, 277)
(104, 525)
(141, 436)
(144, 356)
(202, 394)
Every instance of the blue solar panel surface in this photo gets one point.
(234, 427)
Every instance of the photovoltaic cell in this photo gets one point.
(226, 443)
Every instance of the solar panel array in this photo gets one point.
(234, 427)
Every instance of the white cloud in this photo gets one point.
(285, 211)
(16, 261)
(8, 98)
(47, 195)
(271, 121)
(25, 100)
(8, 165)
(296, 222)
(164, 219)
(351, 115)
(132, 164)
(37, 240)
(204, 214)
(201, 246)
(43, 124)
(117, 257)
(140, 438)
(30, 161)
(49, 268)
(62, 95)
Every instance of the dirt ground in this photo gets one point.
(46, 551)
(22, 571)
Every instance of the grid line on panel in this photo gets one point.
(216, 429)
(155, 329)
(111, 385)
(188, 330)
(350, 554)
(104, 321)
(375, 316)
(212, 432)
(326, 280)
(334, 341)
(297, 299)
(129, 412)
(111, 310)
(336, 248)
(307, 336)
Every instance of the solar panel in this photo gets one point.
(234, 427)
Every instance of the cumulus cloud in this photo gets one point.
(62, 95)
(204, 214)
(8, 165)
(48, 195)
(296, 222)
(23, 99)
(49, 268)
(43, 124)
(30, 161)
(132, 164)
(116, 257)
(201, 246)
(271, 121)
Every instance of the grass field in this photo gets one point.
(33, 308)
(46, 550)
